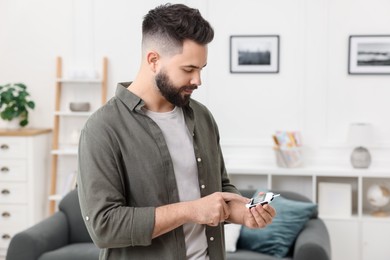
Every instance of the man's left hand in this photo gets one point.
(256, 217)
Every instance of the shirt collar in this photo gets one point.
(128, 98)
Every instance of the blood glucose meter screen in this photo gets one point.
(259, 198)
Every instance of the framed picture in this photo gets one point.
(254, 54)
(369, 54)
(335, 199)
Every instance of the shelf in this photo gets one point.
(70, 113)
(24, 131)
(358, 227)
(83, 81)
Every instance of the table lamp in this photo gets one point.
(360, 136)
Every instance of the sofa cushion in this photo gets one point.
(79, 251)
(277, 238)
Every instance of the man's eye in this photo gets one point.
(188, 70)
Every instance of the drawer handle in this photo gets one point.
(6, 214)
(5, 192)
(5, 236)
(4, 147)
(4, 169)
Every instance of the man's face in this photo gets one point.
(180, 74)
(178, 96)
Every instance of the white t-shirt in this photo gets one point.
(181, 149)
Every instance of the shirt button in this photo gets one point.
(203, 186)
(211, 238)
(86, 218)
(199, 159)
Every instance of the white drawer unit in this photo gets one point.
(24, 161)
(6, 234)
(12, 219)
(13, 193)
(13, 170)
(13, 215)
(11, 147)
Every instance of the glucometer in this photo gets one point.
(261, 198)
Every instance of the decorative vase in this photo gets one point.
(361, 158)
(79, 106)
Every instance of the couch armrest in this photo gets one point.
(313, 242)
(47, 235)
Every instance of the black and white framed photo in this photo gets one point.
(254, 54)
(369, 54)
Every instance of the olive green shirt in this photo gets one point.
(125, 172)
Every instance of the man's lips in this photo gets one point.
(189, 90)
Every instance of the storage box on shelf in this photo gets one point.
(76, 98)
(23, 180)
(367, 235)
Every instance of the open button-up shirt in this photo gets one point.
(125, 172)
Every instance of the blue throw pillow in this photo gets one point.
(277, 238)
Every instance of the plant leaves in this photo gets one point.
(31, 104)
(23, 123)
(14, 102)
(21, 85)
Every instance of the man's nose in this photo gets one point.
(196, 79)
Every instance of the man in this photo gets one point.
(152, 180)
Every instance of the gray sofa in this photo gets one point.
(64, 236)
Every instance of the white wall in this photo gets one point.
(312, 92)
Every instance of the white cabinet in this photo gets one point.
(23, 180)
(344, 238)
(376, 237)
(359, 236)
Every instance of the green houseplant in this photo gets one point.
(15, 102)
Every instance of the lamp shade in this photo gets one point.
(360, 134)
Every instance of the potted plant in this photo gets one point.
(15, 102)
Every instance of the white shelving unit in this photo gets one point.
(358, 237)
(68, 124)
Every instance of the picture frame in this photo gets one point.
(254, 53)
(369, 54)
(334, 200)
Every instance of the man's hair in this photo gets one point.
(167, 26)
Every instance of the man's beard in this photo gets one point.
(172, 94)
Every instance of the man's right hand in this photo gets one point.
(213, 209)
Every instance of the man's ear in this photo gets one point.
(153, 58)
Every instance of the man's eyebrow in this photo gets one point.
(194, 67)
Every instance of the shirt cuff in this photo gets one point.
(142, 226)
